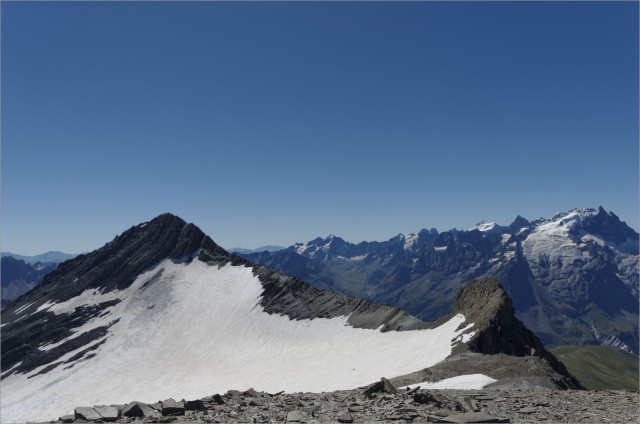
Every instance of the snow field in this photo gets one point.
(199, 330)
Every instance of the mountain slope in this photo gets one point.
(573, 278)
(163, 311)
(600, 367)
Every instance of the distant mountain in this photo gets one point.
(18, 277)
(48, 257)
(573, 278)
(162, 311)
(267, 248)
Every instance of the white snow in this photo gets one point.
(461, 382)
(440, 248)
(359, 257)
(22, 308)
(409, 241)
(87, 298)
(505, 238)
(300, 248)
(198, 330)
(484, 226)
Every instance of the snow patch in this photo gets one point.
(409, 241)
(484, 226)
(464, 382)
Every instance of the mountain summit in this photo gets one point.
(163, 311)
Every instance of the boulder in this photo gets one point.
(172, 408)
(132, 410)
(67, 418)
(383, 385)
(217, 399)
(109, 414)
(423, 398)
(345, 417)
(251, 393)
(194, 405)
(473, 417)
(294, 417)
(86, 413)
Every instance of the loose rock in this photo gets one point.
(171, 408)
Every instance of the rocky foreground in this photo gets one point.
(379, 403)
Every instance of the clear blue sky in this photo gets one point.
(278, 122)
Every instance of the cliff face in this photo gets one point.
(484, 302)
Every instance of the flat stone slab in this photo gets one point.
(67, 418)
(294, 417)
(345, 417)
(171, 408)
(87, 413)
(108, 413)
(473, 417)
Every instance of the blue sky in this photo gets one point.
(271, 123)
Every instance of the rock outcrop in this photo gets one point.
(496, 329)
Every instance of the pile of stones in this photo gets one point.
(380, 402)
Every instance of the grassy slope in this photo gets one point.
(600, 367)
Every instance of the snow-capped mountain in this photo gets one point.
(573, 278)
(162, 311)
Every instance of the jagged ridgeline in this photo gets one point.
(573, 278)
(162, 311)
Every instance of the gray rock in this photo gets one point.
(251, 393)
(423, 398)
(468, 404)
(139, 409)
(473, 417)
(67, 418)
(87, 413)
(132, 410)
(171, 408)
(157, 406)
(108, 413)
(381, 386)
(345, 417)
(194, 405)
(527, 410)
(294, 417)
(217, 399)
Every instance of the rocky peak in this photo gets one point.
(115, 265)
(518, 223)
(484, 302)
(608, 225)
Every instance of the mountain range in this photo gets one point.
(268, 248)
(52, 256)
(18, 277)
(573, 278)
(163, 311)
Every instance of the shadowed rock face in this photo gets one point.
(484, 302)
